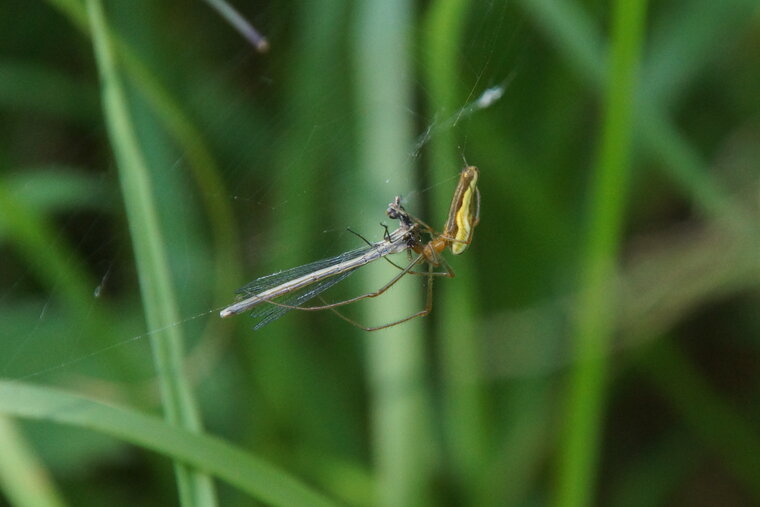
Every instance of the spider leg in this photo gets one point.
(425, 311)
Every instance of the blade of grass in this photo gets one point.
(661, 286)
(521, 448)
(24, 481)
(54, 188)
(463, 420)
(53, 260)
(153, 270)
(306, 154)
(400, 425)
(28, 86)
(252, 475)
(682, 46)
(684, 274)
(194, 147)
(594, 323)
(56, 264)
(706, 413)
(573, 34)
(656, 474)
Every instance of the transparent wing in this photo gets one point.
(267, 282)
(268, 312)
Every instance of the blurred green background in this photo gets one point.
(598, 346)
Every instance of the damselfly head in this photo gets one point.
(396, 211)
(394, 208)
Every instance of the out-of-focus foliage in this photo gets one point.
(258, 162)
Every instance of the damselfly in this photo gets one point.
(303, 283)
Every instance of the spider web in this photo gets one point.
(49, 334)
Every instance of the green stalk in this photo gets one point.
(55, 264)
(52, 259)
(249, 473)
(729, 433)
(401, 432)
(455, 308)
(23, 480)
(194, 148)
(594, 325)
(656, 475)
(573, 34)
(153, 269)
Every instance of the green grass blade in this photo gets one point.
(27, 86)
(730, 434)
(594, 325)
(22, 479)
(204, 170)
(204, 452)
(681, 47)
(306, 156)
(55, 188)
(658, 472)
(401, 434)
(573, 34)
(520, 448)
(155, 279)
(195, 149)
(455, 307)
(54, 261)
